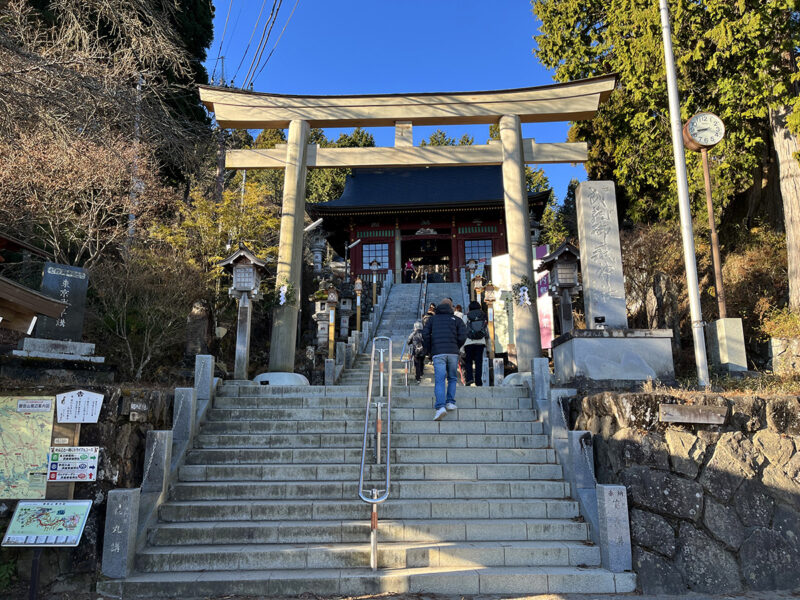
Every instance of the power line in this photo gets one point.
(262, 44)
(219, 52)
(285, 25)
(247, 49)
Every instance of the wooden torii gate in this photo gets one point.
(239, 109)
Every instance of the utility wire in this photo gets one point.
(285, 25)
(262, 45)
(219, 51)
(247, 49)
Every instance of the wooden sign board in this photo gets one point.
(688, 413)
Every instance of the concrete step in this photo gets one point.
(356, 554)
(490, 406)
(230, 456)
(330, 490)
(355, 440)
(242, 424)
(358, 582)
(350, 473)
(347, 391)
(322, 510)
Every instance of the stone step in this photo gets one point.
(214, 456)
(241, 424)
(355, 440)
(347, 391)
(330, 490)
(491, 406)
(356, 554)
(321, 510)
(350, 472)
(358, 582)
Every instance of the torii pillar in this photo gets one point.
(518, 235)
(290, 250)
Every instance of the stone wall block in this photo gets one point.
(686, 452)
(723, 524)
(753, 505)
(777, 448)
(733, 461)
(657, 575)
(707, 567)
(787, 523)
(747, 414)
(783, 415)
(664, 493)
(783, 483)
(629, 447)
(652, 532)
(769, 561)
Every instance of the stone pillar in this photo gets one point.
(601, 258)
(290, 250)
(615, 533)
(518, 236)
(184, 415)
(119, 538)
(243, 337)
(204, 377)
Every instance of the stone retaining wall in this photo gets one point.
(126, 417)
(713, 508)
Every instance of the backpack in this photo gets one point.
(417, 347)
(476, 328)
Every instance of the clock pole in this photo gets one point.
(689, 259)
(714, 238)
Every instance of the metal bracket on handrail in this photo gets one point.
(372, 496)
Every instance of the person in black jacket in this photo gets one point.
(443, 335)
(476, 342)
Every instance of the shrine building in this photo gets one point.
(438, 217)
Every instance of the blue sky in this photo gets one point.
(392, 46)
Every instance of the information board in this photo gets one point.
(72, 463)
(78, 406)
(26, 425)
(47, 523)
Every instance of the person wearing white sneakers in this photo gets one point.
(443, 336)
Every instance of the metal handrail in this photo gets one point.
(374, 498)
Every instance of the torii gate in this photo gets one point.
(239, 109)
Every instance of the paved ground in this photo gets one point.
(21, 593)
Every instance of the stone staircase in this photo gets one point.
(266, 502)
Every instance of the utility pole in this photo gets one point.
(687, 232)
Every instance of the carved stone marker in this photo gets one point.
(601, 258)
(615, 534)
(685, 413)
(68, 284)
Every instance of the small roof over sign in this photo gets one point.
(243, 253)
(565, 249)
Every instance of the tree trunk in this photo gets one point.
(786, 145)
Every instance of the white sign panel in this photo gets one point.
(72, 463)
(78, 406)
(47, 523)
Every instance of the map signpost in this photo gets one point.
(72, 463)
(47, 523)
(26, 425)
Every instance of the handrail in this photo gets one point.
(374, 499)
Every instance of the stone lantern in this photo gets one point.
(562, 265)
(490, 297)
(247, 270)
(358, 287)
(374, 266)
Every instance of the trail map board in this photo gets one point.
(47, 523)
(26, 425)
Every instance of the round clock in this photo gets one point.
(704, 130)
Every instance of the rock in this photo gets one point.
(733, 461)
(707, 567)
(652, 532)
(723, 523)
(629, 447)
(686, 452)
(787, 523)
(663, 492)
(747, 414)
(783, 415)
(769, 561)
(753, 505)
(656, 575)
(636, 411)
(782, 485)
(777, 448)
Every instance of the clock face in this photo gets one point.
(706, 129)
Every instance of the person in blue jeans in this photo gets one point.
(443, 335)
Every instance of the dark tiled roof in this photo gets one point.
(418, 187)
